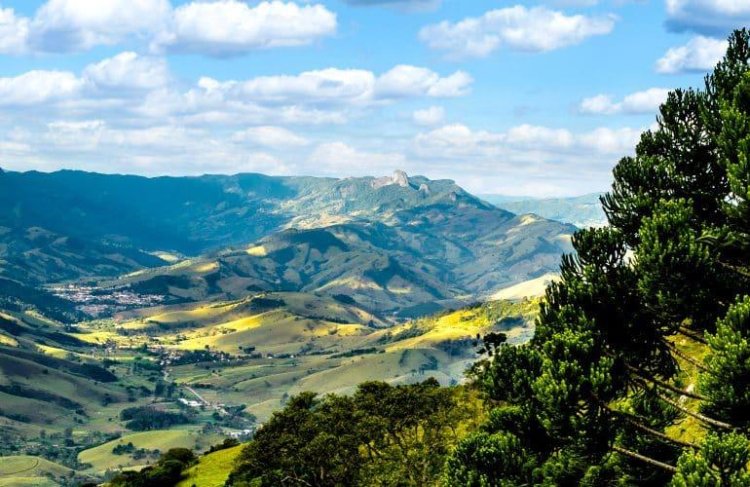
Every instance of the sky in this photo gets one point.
(520, 98)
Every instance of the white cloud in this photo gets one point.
(403, 81)
(429, 116)
(158, 149)
(72, 25)
(525, 29)
(459, 141)
(36, 87)
(339, 158)
(417, 5)
(215, 28)
(700, 54)
(332, 86)
(230, 27)
(14, 32)
(647, 101)
(713, 17)
(270, 136)
(526, 159)
(128, 70)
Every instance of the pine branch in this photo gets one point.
(658, 434)
(692, 335)
(698, 416)
(643, 458)
(664, 385)
(687, 357)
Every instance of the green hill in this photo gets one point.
(22, 471)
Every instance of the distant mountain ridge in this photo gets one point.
(581, 211)
(394, 243)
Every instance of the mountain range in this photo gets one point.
(398, 244)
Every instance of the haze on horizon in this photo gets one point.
(533, 98)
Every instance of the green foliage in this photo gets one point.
(383, 435)
(725, 383)
(148, 418)
(483, 460)
(671, 260)
(721, 462)
(166, 473)
(591, 396)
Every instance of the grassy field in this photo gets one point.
(102, 458)
(213, 469)
(326, 356)
(21, 471)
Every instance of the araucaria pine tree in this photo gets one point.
(639, 372)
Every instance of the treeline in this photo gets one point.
(167, 472)
(146, 418)
(381, 435)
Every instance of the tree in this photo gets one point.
(382, 435)
(721, 462)
(726, 383)
(596, 387)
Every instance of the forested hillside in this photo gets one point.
(639, 369)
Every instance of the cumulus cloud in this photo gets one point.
(37, 87)
(403, 81)
(519, 28)
(270, 136)
(230, 27)
(459, 140)
(647, 101)
(334, 86)
(14, 32)
(72, 25)
(712, 17)
(429, 116)
(214, 28)
(700, 54)
(128, 70)
(136, 87)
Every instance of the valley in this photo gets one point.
(119, 342)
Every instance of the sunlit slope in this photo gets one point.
(530, 288)
(212, 469)
(102, 457)
(416, 261)
(21, 471)
(47, 378)
(299, 347)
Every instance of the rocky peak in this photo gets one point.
(399, 178)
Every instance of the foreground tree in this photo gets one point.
(598, 386)
(382, 435)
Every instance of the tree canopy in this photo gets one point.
(597, 393)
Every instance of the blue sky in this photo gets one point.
(523, 98)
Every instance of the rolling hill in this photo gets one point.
(421, 261)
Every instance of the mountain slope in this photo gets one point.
(395, 244)
(581, 211)
(425, 256)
